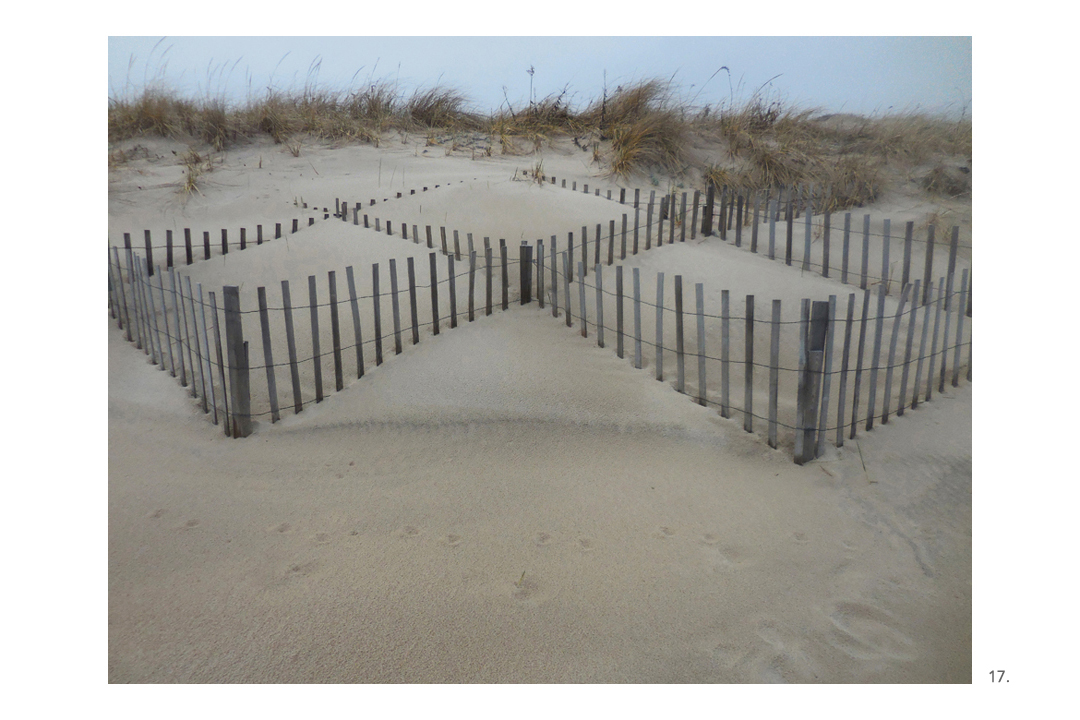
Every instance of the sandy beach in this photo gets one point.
(509, 502)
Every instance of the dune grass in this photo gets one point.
(642, 127)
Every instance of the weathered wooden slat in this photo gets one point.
(358, 335)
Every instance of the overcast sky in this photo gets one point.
(852, 74)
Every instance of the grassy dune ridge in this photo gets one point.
(638, 128)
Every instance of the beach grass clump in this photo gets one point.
(647, 129)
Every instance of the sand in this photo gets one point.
(509, 503)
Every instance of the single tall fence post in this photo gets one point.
(680, 360)
(376, 303)
(221, 368)
(841, 396)
(707, 214)
(395, 305)
(802, 396)
(268, 356)
(774, 373)
(335, 333)
(239, 382)
(619, 310)
(859, 364)
(434, 294)
(875, 358)
(599, 306)
(826, 377)
(725, 353)
(205, 369)
(960, 328)
(699, 297)
(357, 334)
(581, 299)
(290, 335)
(313, 307)
(660, 326)
(411, 270)
(748, 410)
(637, 318)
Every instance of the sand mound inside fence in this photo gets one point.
(508, 502)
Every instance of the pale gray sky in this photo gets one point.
(853, 74)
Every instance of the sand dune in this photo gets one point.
(508, 502)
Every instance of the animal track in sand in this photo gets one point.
(321, 538)
(866, 632)
(408, 532)
(585, 543)
(542, 539)
(664, 533)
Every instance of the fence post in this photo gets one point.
(554, 280)
(581, 299)
(472, 284)
(859, 363)
(915, 295)
(707, 213)
(539, 272)
(825, 249)
(452, 276)
(335, 332)
(290, 336)
(725, 350)
(239, 381)
(395, 304)
(865, 251)
(619, 310)
(637, 318)
(566, 256)
(313, 307)
(660, 326)
(875, 358)
(611, 243)
(680, 349)
(802, 395)
(748, 411)
(434, 295)
(411, 271)
(960, 328)
(774, 373)
(268, 356)
(149, 252)
(699, 296)
(505, 251)
(487, 274)
(196, 359)
(841, 397)
(892, 354)
(221, 369)
(826, 377)
(207, 369)
(376, 302)
(357, 334)
(682, 220)
(599, 306)
(772, 227)
(885, 248)
(525, 272)
(165, 318)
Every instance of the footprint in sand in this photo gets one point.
(542, 539)
(321, 538)
(156, 514)
(665, 533)
(283, 527)
(408, 532)
(585, 543)
(866, 632)
(190, 525)
(453, 540)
